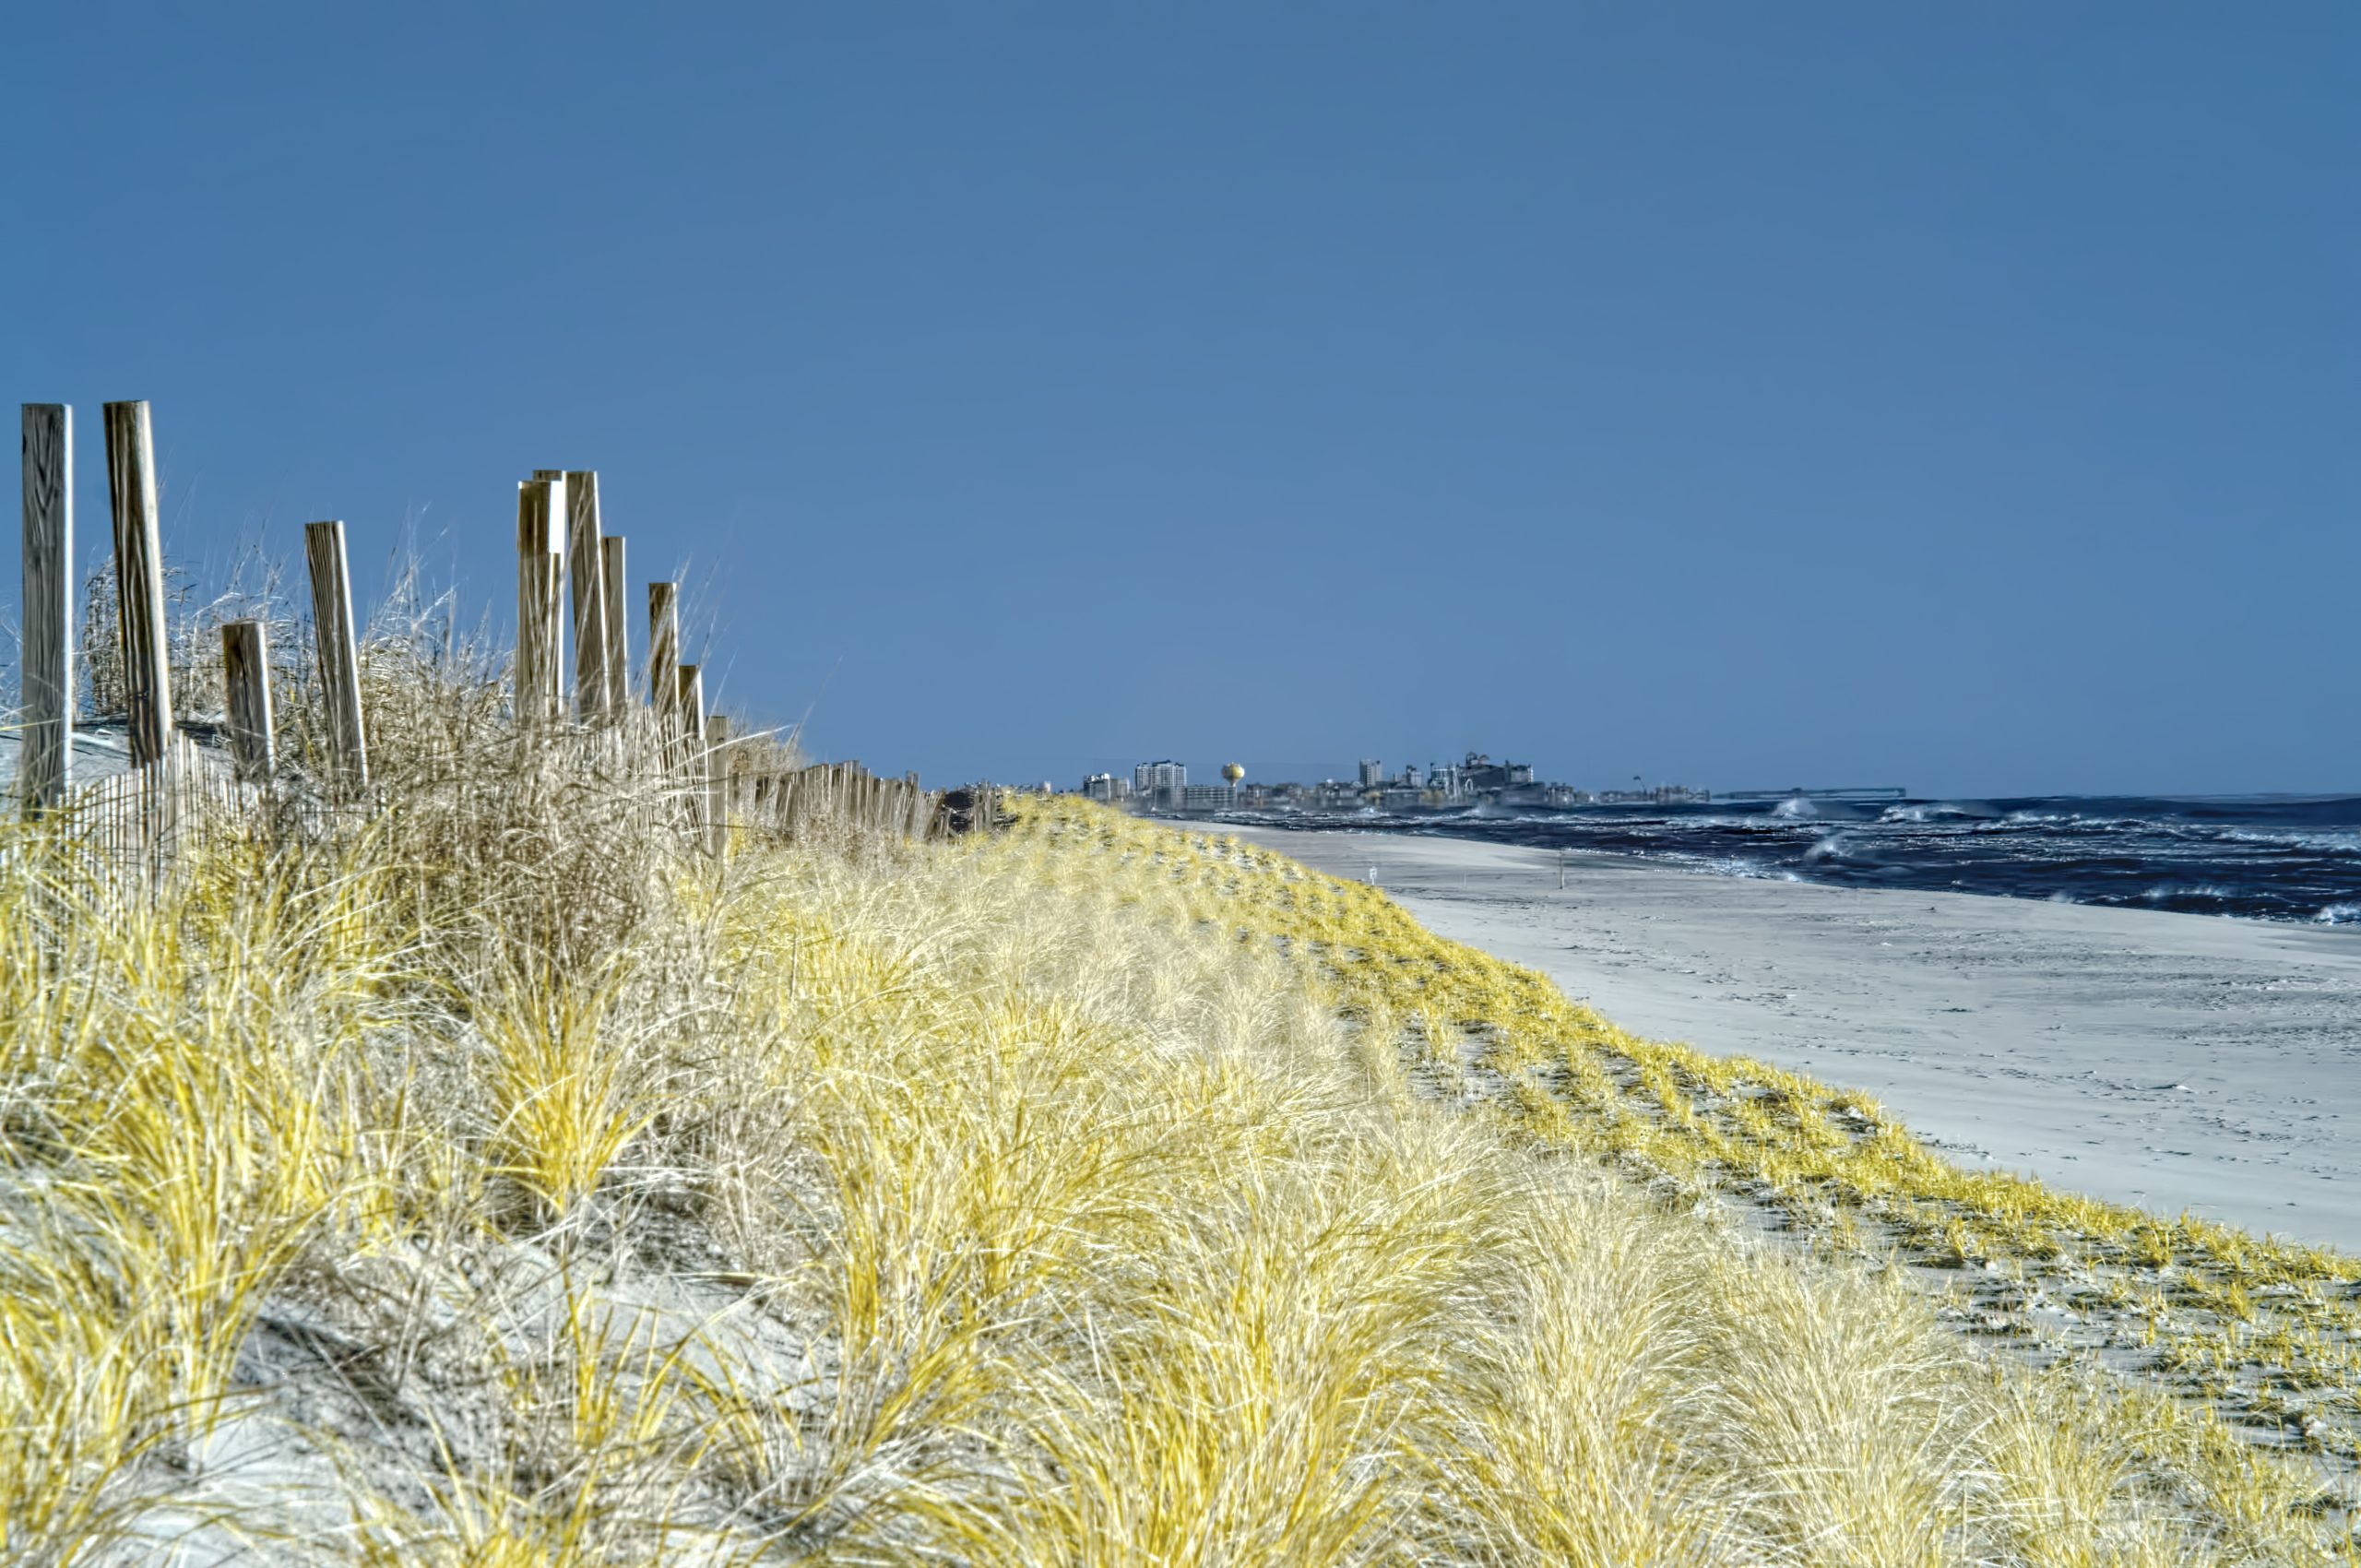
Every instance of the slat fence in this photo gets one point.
(728, 786)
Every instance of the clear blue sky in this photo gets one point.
(1963, 397)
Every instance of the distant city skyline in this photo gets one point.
(1957, 396)
(1204, 771)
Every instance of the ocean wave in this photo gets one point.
(1833, 847)
(2114, 851)
(1798, 809)
(2164, 890)
(2331, 842)
(1735, 865)
(1943, 811)
(2090, 822)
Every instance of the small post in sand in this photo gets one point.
(245, 675)
(663, 653)
(716, 776)
(611, 572)
(685, 735)
(340, 653)
(44, 766)
(541, 593)
(139, 579)
(587, 566)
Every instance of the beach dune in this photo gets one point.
(2168, 1061)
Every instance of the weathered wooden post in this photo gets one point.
(685, 731)
(664, 651)
(140, 578)
(688, 703)
(540, 569)
(584, 564)
(44, 762)
(245, 674)
(716, 785)
(332, 632)
(610, 573)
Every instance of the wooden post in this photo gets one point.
(541, 570)
(245, 673)
(584, 564)
(688, 703)
(717, 778)
(610, 573)
(140, 578)
(46, 760)
(684, 732)
(664, 649)
(332, 630)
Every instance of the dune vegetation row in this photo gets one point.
(498, 1179)
(2266, 1332)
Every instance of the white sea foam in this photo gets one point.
(2164, 890)
(1941, 811)
(2331, 841)
(2338, 914)
(1733, 865)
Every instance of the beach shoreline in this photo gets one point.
(2172, 1061)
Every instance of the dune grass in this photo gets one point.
(2267, 1331)
(498, 1181)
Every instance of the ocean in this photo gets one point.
(2270, 857)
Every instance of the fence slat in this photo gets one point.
(541, 570)
(139, 578)
(332, 629)
(611, 572)
(245, 673)
(44, 764)
(583, 565)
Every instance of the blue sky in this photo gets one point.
(1957, 396)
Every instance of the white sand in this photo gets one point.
(2175, 1061)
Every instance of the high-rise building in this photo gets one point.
(1373, 773)
(1160, 784)
(1150, 775)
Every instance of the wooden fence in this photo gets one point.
(141, 819)
(177, 790)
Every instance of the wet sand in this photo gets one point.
(2176, 1062)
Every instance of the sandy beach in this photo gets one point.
(2175, 1061)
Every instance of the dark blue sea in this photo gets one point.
(2269, 857)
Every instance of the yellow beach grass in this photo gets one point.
(442, 1192)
